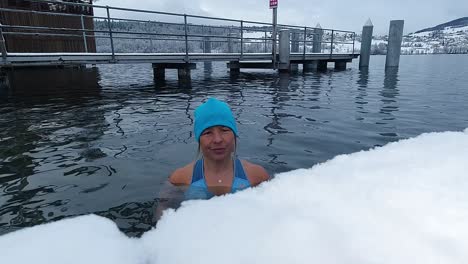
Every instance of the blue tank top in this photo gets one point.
(199, 190)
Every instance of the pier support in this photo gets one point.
(234, 68)
(322, 65)
(340, 65)
(366, 43)
(183, 74)
(4, 82)
(395, 36)
(310, 66)
(183, 70)
(159, 73)
(284, 51)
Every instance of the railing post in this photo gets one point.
(230, 50)
(3, 44)
(85, 43)
(242, 39)
(265, 43)
(305, 43)
(331, 44)
(186, 39)
(354, 40)
(110, 33)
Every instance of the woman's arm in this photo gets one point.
(256, 173)
(182, 176)
(170, 196)
(173, 190)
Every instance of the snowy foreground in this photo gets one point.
(406, 202)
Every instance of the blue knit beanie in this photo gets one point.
(213, 113)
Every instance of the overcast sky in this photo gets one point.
(336, 14)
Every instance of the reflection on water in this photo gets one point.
(103, 140)
(44, 114)
(65, 83)
(389, 101)
(133, 218)
(361, 95)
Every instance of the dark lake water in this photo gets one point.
(104, 140)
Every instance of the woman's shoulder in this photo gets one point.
(256, 173)
(182, 176)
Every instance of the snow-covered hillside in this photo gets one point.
(452, 38)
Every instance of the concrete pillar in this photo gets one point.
(395, 36)
(340, 65)
(294, 48)
(317, 39)
(366, 43)
(322, 65)
(311, 66)
(284, 51)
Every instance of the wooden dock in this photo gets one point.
(241, 46)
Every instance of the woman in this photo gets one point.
(219, 171)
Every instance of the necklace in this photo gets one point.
(221, 180)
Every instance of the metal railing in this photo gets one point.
(226, 35)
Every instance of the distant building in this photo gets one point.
(47, 15)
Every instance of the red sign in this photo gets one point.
(273, 3)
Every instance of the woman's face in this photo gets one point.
(217, 143)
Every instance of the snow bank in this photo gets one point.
(401, 203)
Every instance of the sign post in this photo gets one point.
(274, 6)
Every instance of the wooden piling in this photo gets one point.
(366, 43)
(395, 36)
